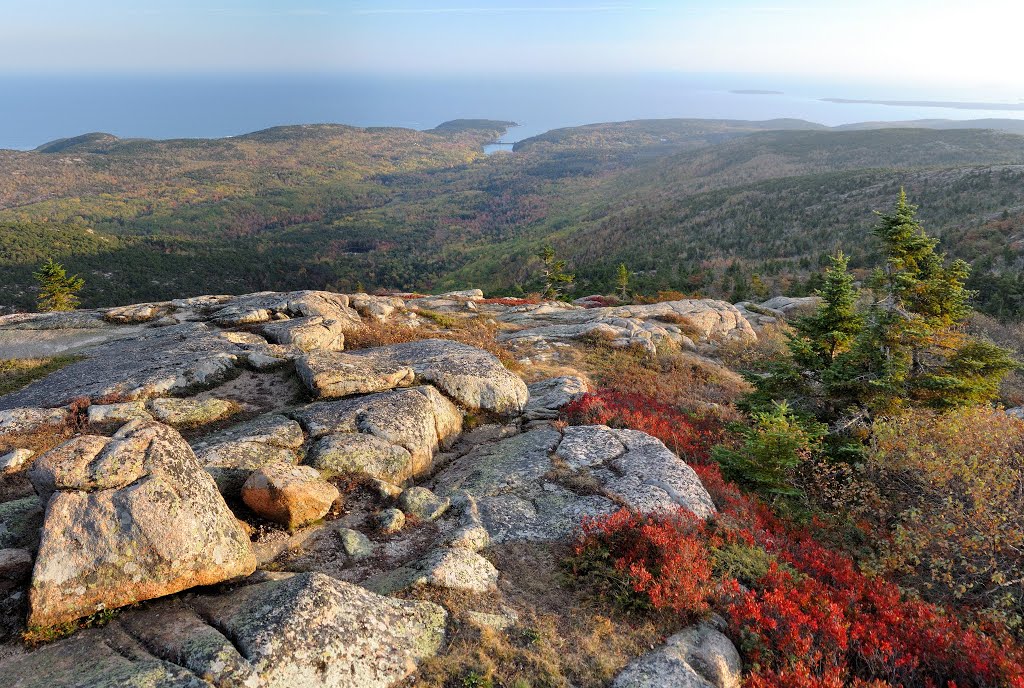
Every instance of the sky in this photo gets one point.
(957, 42)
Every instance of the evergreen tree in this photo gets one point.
(57, 291)
(906, 348)
(553, 272)
(622, 281)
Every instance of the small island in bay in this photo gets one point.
(756, 92)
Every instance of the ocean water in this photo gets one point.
(35, 109)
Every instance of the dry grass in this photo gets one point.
(17, 373)
(546, 647)
(476, 331)
(753, 355)
(678, 378)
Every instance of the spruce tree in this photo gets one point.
(622, 281)
(830, 331)
(57, 291)
(553, 272)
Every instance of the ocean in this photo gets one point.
(35, 109)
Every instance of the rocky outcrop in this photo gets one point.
(154, 362)
(15, 421)
(303, 630)
(231, 455)
(128, 518)
(540, 484)
(417, 419)
(471, 377)
(678, 322)
(547, 397)
(696, 657)
(776, 310)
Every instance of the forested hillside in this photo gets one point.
(715, 207)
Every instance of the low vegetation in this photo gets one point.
(16, 373)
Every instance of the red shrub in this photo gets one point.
(598, 302)
(689, 436)
(661, 558)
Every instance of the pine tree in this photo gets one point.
(622, 281)
(553, 272)
(57, 291)
(832, 328)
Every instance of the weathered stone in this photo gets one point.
(262, 307)
(696, 657)
(452, 569)
(634, 325)
(307, 334)
(378, 308)
(547, 397)
(231, 455)
(152, 362)
(25, 420)
(191, 412)
(313, 630)
(20, 521)
(417, 419)
(583, 446)
(422, 503)
(129, 518)
(87, 660)
(390, 521)
(292, 630)
(14, 461)
(15, 564)
(359, 453)
(518, 462)
(470, 376)
(138, 313)
(333, 374)
(290, 495)
(355, 544)
(100, 414)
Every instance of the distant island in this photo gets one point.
(756, 92)
(960, 105)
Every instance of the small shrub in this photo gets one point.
(646, 561)
(771, 451)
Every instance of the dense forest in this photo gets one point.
(721, 208)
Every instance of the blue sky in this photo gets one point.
(964, 42)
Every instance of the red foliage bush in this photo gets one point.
(831, 625)
(691, 437)
(598, 301)
(662, 558)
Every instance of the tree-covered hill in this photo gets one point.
(717, 207)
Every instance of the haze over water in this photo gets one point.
(40, 108)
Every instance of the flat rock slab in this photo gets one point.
(449, 568)
(263, 307)
(363, 454)
(333, 374)
(154, 362)
(128, 518)
(472, 377)
(306, 630)
(547, 397)
(14, 421)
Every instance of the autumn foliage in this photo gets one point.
(690, 436)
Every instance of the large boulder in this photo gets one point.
(307, 334)
(417, 419)
(290, 495)
(262, 307)
(472, 377)
(152, 363)
(128, 518)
